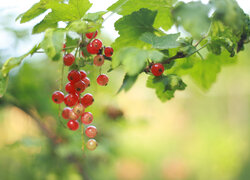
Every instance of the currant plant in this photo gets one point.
(208, 37)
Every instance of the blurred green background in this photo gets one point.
(195, 136)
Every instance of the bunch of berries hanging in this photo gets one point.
(75, 102)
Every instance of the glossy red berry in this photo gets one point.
(73, 125)
(91, 131)
(83, 74)
(57, 97)
(98, 60)
(71, 99)
(108, 51)
(157, 69)
(91, 34)
(68, 59)
(87, 118)
(86, 81)
(74, 76)
(65, 113)
(69, 87)
(102, 80)
(87, 100)
(78, 109)
(91, 144)
(79, 86)
(91, 49)
(97, 43)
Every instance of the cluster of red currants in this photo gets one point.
(78, 82)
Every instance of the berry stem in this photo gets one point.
(82, 133)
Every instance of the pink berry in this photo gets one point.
(87, 100)
(102, 80)
(68, 59)
(87, 118)
(91, 34)
(98, 60)
(91, 131)
(74, 76)
(91, 144)
(157, 69)
(57, 97)
(108, 51)
(71, 99)
(78, 109)
(73, 125)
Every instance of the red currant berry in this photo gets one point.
(157, 69)
(79, 86)
(87, 100)
(91, 131)
(71, 99)
(102, 80)
(68, 59)
(91, 144)
(66, 112)
(74, 76)
(83, 74)
(91, 34)
(72, 115)
(73, 125)
(97, 43)
(69, 87)
(108, 51)
(64, 46)
(91, 49)
(87, 118)
(78, 109)
(82, 54)
(57, 97)
(98, 60)
(86, 81)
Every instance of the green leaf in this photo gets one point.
(52, 43)
(134, 59)
(203, 72)
(71, 42)
(43, 25)
(165, 86)
(132, 26)
(127, 83)
(77, 26)
(163, 18)
(161, 42)
(3, 83)
(193, 16)
(15, 61)
(93, 17)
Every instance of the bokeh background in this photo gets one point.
(196, 136)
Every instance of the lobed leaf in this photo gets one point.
(127, 83)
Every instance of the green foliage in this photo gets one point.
(134, 59)
(163, 18)
(127, 83)
(3, 84)
(161, 42)
(132, 26)
(193, 17)
(52, 43)
(165, 86)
